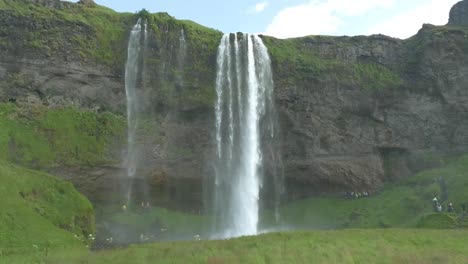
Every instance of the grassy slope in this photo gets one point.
(37, 209)
(400, 204)
(41, 137)
(346, 246)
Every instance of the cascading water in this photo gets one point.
(182, 46)
(181, 54)
(134, 51)
(245, 125)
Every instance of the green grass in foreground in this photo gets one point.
(345, 246)
(39, 212)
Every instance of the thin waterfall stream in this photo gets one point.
(132, 72)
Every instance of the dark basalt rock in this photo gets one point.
(88, 3)
(459, 14)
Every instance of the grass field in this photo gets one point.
(345, 246)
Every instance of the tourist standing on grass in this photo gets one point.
(435, 203)
(450, 208)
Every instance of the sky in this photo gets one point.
(295, 18)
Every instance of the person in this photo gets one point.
(439, 207)
(450, 208)
(435, 202)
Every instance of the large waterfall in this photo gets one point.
(131, 77)
(245, 131)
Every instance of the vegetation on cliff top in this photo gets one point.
(89, 33)
(39, 212)
(300, 59)
(185, 75)
(79, 32)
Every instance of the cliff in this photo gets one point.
(459, 14)
(355, 112)
(360, 111)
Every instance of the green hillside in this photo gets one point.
(39, 212)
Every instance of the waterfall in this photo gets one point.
(181, 54)
(182, 39)
(244, 127)
(131, 76)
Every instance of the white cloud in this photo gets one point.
(258, 7)
(319, 17)
(408, 23)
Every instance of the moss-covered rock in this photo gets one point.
(42, 137)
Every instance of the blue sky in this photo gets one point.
(293, 18)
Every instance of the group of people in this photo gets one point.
(450, 208)
(145, 205)
(357, 195)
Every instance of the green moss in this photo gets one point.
(373, 77)
(197, 69)
(300, 60)
(40, 210)
(95, 34)
(42, 137)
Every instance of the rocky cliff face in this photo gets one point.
(355, 112)
(341, 134)
(459, 14)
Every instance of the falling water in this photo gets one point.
(244, 88)
(181, 54)
(182, 39)
(131, 76)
